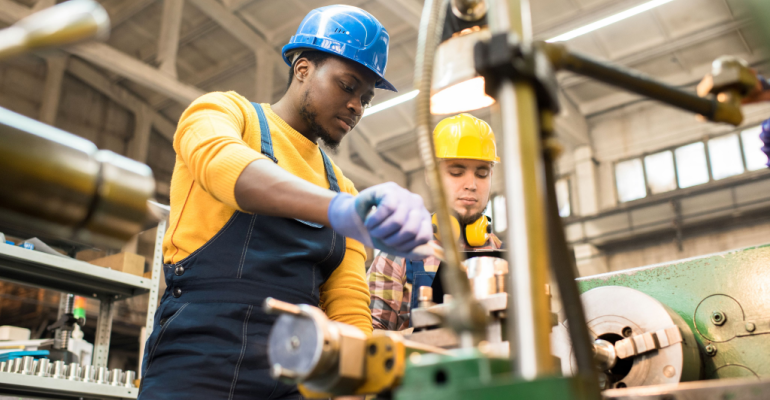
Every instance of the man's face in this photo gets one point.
(468, 184)
(334, 97)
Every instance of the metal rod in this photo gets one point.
(632, 81)
(529, 325)
(467, 317)
(565, 273)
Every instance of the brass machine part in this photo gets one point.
(327, 358)
(59, 185)
(63, 24)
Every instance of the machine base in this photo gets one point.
(473, 376)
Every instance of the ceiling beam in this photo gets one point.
(236, 27)
(56, 65)
(124, 65)
(139, 145)
(101, 83)
(115, 61)
(373, 159)
(168, 41)
(127, 9)
(361, 177)
(409, 10)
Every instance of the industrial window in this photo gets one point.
(691, 166)
(659, 169)
(563, 198)
(629, 178)
(752, 149)
(725, 156)
(499, 216)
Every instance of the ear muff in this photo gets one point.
(455, 227)
(477, 233)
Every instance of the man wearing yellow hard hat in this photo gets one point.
(465, 147)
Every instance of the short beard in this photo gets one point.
(467, 220)
(309, 115)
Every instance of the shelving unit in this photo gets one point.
(67, 275)
(30, 385)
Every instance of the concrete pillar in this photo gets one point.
(585, 179)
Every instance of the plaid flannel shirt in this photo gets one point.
(392, 295)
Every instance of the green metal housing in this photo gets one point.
(725, 300)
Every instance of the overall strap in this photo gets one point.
(264, 129)
(333, 185)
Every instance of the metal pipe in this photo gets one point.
(56, 184)
(636, 82)
(564, 271)
(468, 317)
(522, 162)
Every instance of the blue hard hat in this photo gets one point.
(348, 32)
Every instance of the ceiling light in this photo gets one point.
(390, 103)
(608, 21)
(442, 102)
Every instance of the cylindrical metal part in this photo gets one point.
(16, 367)
(564, 272)
(116, 377)
(529, 323)
(58, 370)
(604, 354)
(27, 365)
(102, 376)
(87, 373)
(273, 306)
(42, 367)
(469, 10)
(62, 336)
(3, 365)
(425, 296)
(64, 186)
(128, 379)
(73, 372)
(635, 82)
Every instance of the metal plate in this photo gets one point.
(732, 389)
(61, 388)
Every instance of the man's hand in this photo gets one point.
(397, 226)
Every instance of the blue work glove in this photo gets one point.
(765, 136)
(397, 226)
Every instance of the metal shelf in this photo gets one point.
(19, 384)
(68, 275)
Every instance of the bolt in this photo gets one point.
(750, 327)
(718, 318)
(294, 342)
(711, 350)
(627, 332)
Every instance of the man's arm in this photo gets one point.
(387, 278)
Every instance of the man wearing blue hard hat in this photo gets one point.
(258, 210)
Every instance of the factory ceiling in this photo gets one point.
(163, 53)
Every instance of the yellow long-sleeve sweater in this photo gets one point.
(217, 137)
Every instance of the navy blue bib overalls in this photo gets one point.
(210, 334)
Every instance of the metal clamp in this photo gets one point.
(646, 342)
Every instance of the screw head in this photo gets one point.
(711, 350)
(294, 342)
(718, 318)
(750, 327)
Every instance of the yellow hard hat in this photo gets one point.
(465, 136)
